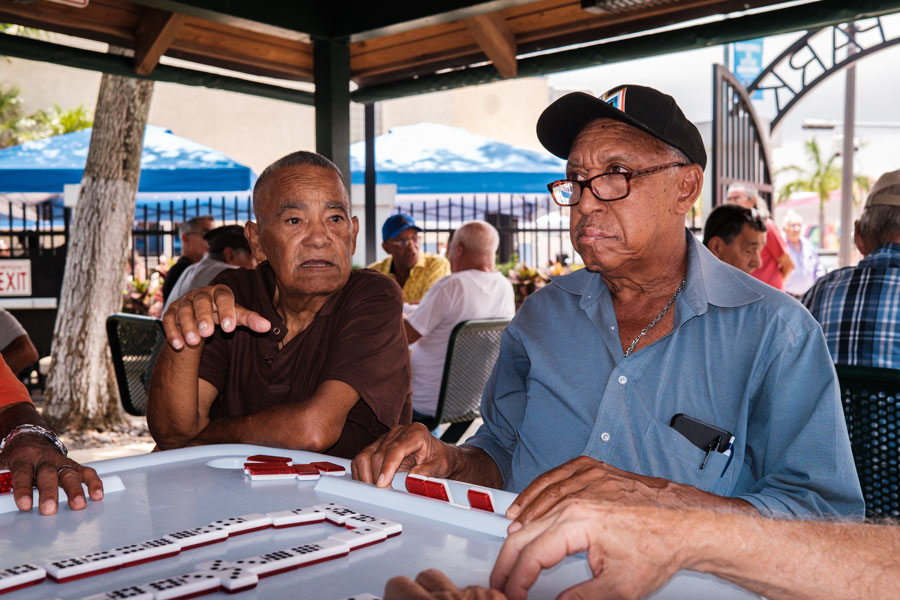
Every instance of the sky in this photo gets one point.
(688, 77)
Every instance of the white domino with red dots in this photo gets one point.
(69, 569)
(18, 577)
(244, 523)
(391, 528)
(298, 516)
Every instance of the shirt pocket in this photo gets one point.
(668, 454)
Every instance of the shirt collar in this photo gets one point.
(708, 281)
(884, 251)
(266, 274)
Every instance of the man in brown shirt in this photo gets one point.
(308, 354)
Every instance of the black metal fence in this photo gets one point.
(531, 227)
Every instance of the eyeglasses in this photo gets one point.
(414, 241)
(606, 187)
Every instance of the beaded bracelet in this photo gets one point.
(34, 429)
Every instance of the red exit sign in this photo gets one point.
(15, 277)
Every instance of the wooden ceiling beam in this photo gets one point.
(155, 33)
(494, 37)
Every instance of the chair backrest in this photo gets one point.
(135, 342)
(471, 353)
(871, 400)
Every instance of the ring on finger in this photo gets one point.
(61, 468)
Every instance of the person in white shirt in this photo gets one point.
(228, 249)
(473, 290)
(15, 346)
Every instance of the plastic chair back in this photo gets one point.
(135, 342)
(871, 400)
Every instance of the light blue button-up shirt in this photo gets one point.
(742, 356)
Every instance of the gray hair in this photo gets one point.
(301, 158)
(477, 237)
(192, 225)
(880, 224)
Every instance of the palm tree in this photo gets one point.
(823, 178)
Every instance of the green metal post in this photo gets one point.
(331, 72)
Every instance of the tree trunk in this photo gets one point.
(81, 388)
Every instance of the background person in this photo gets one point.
(414, 270)
(858, 306)
(807, 266)
(474, 290)
(16, 347)
(735, 235)
(193, 247)
(35, 456)
(776, 262)
(309, 355)
(228, 249)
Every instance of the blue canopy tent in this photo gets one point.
(169, 163)
(431, 159)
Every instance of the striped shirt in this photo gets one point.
(859, 310)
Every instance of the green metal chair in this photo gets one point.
(871, 400)
(471, 353)
(135, 343)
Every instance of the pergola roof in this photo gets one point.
(396, 48)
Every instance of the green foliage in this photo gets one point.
(16, 127)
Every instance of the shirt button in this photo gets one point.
(623, 380)
(276, 331)
(604, 436)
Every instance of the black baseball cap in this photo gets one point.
(643, 107)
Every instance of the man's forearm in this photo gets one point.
(281, 426)
(474, 465)
(795, 559)
(678, 495)
(173, 414)
(19, 413)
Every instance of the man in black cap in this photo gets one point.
(228, 249)
(657, 374)
(415, 271)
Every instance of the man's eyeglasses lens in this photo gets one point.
(403, 243)
(609, 186)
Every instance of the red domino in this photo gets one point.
(481, 499)
(306, 469)
(415, 484)
(5, 481)
(437, 489)
(271, 470)
(265, 458)
(328, 467)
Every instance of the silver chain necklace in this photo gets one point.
(656, 319)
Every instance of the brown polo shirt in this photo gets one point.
(356, 337)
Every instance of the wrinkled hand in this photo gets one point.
(584, 477)
(404, 448)
(631, 550)
(195, 315)
(34, 461)
(434, 585)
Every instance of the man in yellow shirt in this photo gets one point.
(414, 270)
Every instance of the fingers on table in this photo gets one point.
(542, 494)
(70, 478)
(404, 588)
(382, 459)
(22, 483)
(93, 482)
(46, 479)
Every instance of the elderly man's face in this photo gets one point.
(305, 230)
(192, 243)
(744, 250)
(741, 198)
(610, 236)
(404, 248)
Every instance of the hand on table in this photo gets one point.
(631, 550)
(434, 585)
(403, 448)
(195, 315)
(586, 478)
(34, 461)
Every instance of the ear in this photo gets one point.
(251, 231)
(858, 240)
(690, 184)
(355, 226)
(716, 245)
(384, 246)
